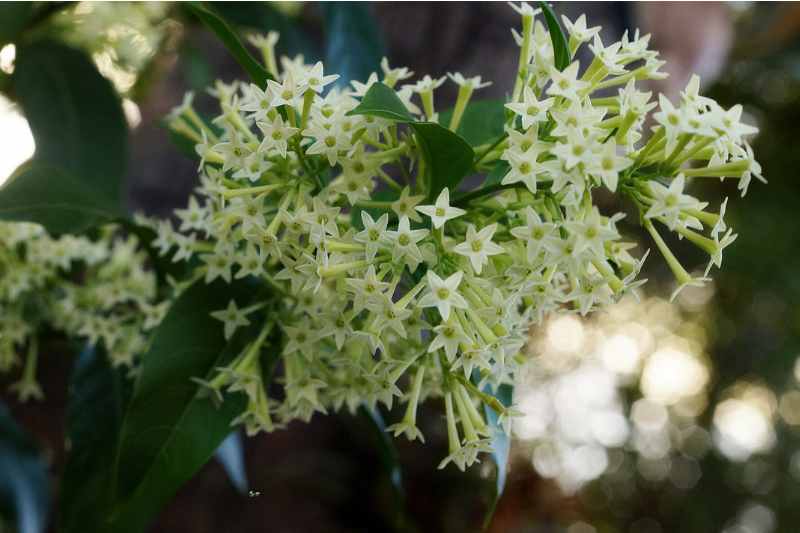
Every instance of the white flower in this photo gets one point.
(566, 83)
(441, 211)
(448, 336)
(478, 246)
(406, 205)
(405, 240)
(535, 233)
(374, 233)
(578, 29)
(276, 135)
(315, 80)
(531, 109)
(443, 294)
(669, 202)
(232, 317)
(472, 84)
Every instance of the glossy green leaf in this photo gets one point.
(14, 16)
(483, 121)
(382, 101)
(264, 17)
(56, 198)
(95, 406)
(560, 46)
(496, 175)
(501, 446)
(225, 33)
(81, 142)
(353, 46)
(230, 454)
(448, 156)
(170, 430)
(24, 483)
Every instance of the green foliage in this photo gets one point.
(97, 397)
(353, 47)
(170, 430)
(382, 101)
(24, 483)
(496, 175)
(448, 156)
(62, 202)
(231, 41)
(501, 447)
(75, 178)
(14, 16)
(560, 47)
(483, 121)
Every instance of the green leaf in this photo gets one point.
(388, 452)
(496, 175)
(483, 121)
(170, 430)
(81, 142)
(382, 101)
(231, 41)
(230, 454)
(560, 47)
(95, 406)
(59, 200)
(353, 47)
(263, 17)
(448, 156)
(24, 483)
(501, 446)
(14, 17)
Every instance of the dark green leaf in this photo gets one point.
(353, 46)
(382, 101)
(483, 121)
(448, 156)
(24, 483)
(231, 41)
(496, 175)
(560, 47)
(59, 200)
(231, 455)
(79, 129)
(388, 453)
(501, 445)
(170, 430)
(263, 17)
(95, 406)
(75, 115)
(14, 16)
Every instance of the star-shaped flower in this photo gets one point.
(441, 211)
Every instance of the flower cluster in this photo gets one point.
(122, 37)
(95, 290)
(388, 289)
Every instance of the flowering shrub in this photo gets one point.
(350, 245)
(98, 290)
(351, 203)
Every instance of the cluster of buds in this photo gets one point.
(95, 290)
(385, 293)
